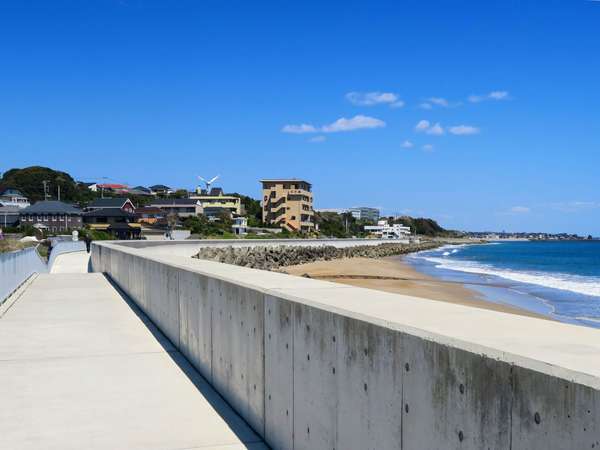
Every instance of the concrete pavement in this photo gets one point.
(81, 368)
(74, 262)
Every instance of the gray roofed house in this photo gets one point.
(183, 207)
(113, 202)
(53, 215)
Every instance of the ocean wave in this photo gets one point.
(565, 282)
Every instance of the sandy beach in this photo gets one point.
(395, 275)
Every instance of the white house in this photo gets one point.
(383, 230)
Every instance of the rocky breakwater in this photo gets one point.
(274, 257)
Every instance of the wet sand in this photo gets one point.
(395, 275)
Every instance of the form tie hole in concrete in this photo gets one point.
(365, 387)
(461, 388)
(269, 335)
(287, 413)
(407, 367)
(333, 370)
(461, 436)
(307, 430)
(537, 418)
(269, 312)
(308, 357)
(287, 346)
(333, 338)
(366, 351)
(255, 389)
(406, 408)
(307, 328)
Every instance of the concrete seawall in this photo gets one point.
(311, 364)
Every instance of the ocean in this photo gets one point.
(556, 278)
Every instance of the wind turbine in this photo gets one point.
(208, 182)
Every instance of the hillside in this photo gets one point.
(30, 181)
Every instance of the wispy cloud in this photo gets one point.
(374, 98)
(425, 105)
(355, 123)
(299, 129)
(422, 125)
(317, 139)
(494, 95)
(435, 130)
(463, 130)
(407, 144)
(428, 147)
(439, 101)
(342, 124)
(520, 210)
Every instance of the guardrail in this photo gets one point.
(16, 267)
(317, 365)
(62, 247)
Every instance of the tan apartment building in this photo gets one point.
(288, 203)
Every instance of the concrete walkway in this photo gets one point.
(74, 262)
(80, 368)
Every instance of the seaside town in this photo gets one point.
(39, 202)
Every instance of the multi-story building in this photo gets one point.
(216, 202)
(116, 221)
(122, 203)
(52, 216)
(364, 213)
(13, 197)
(288, 203)
(182, 207)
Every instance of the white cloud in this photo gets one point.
(422, 125)
(435, 130)
(299, 129)
(425, 105)
(374, 98)
(498, 95)
(317, 139)
(439, 101)
(428, 147)
(463, 130)
(520, 210)
(494, 95)
(355, 123)
(407, 144)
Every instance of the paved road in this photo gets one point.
(80, 368)
(74, 262)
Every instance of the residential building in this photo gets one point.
(183, 207)
(9, 216)
(52, 215)
(240, 225)
(13, 197)
(140, 190)
(364, 213)
(216, 202)
(149, 215)
(288, 203)
(116, 221)
(108, 187)
(383, 230)
(161, 189)
(122, 203)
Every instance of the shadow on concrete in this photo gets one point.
(250, 439)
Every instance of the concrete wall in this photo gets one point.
(317, 365)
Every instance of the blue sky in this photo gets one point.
(147, 92)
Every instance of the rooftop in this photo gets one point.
(174, 202)
(113, 202)
(51, 207)
(108, 212)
